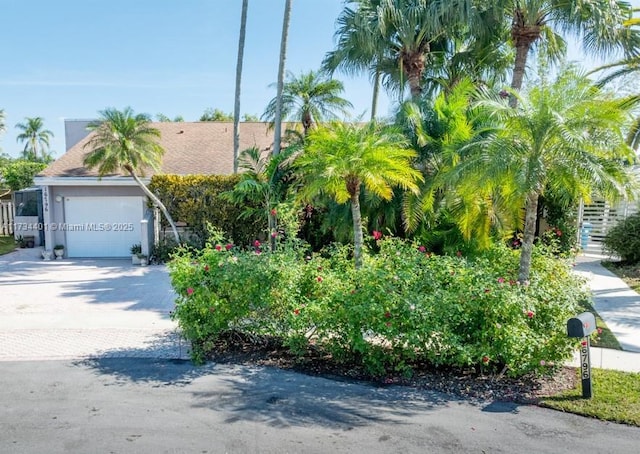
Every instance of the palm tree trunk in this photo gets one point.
(272, 229)
(376, 90)
(236, 109)
(519, 67)
(530, 217)
(283, 55)
(156, 202)
(357, 227)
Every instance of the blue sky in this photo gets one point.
(72, 58)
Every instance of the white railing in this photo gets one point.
(6, 218)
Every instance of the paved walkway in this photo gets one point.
(619, 307)
(70, 309)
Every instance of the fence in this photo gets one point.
(6, 218)
(602, 216)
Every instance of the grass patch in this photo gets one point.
(616, 397)
(7, 244)
(630, 274)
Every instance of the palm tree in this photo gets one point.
(310, 98)
(35, 137)
(340, 160)
(565, 136)
(236, 108)
(263, 183)
(2, 125)
(600, 26)
(398, 38)
(123, 140)
(277, 119)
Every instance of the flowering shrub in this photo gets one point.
(404, 305)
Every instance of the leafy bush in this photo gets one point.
(403, 306)
(623, 239)
(196, 201)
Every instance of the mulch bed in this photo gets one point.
(237, 348)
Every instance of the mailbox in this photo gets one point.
(581, 325)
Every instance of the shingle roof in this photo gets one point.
(190, 148)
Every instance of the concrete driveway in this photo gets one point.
(68, 309)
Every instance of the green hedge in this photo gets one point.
(195, 200)
(403, 306)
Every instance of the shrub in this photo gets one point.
(623, 239)
(196, 201)
(404, 305)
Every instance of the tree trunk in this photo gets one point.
(519, 68)
(157, 202)
(531, 215)
(357, 227)
(376, 90)
(283, 55)
(272, 229)
(236, 109)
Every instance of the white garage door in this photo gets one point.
(102, 226)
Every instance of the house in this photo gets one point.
(104, 217)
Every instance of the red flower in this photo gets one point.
(387, 314)
(584, 343)
(485, 359)
(377, 235)
(512, 282)
(273, 212)
(422, 249)
(274, 234)
(229, 246)
(559, 232)
(530, 314)
(218, 247)
(206, 267)
(500, 280)
(296, 311)
(256, 243)
(319, 278)
(599, 330)
(486, 290)
(190, 291)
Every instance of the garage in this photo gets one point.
(102, 226)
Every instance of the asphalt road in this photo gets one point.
(125, 405)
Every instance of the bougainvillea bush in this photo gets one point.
(404, 306)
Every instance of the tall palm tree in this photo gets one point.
(599, 24)
(2, 125)
(566, 136)
(341, 159)
(281, 69)
(35, 138)
(310, 98)
(236, 108)
(399, 38)
(122, 140)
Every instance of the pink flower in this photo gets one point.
(530, 314)
(319, 278)
(274, 234)
(559, 232)
(485, 359)
(422, 249)
(229, 246)
(190, 291)
(258, 252)
(500, 280)
(377, 235)
(512, 282)
(543, 362)
(599, 330)
(256, 243)
(218, 247)
(273, 212)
